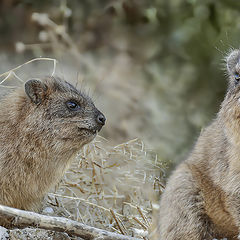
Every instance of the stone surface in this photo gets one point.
(36, 234)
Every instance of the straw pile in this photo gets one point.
(110, 188)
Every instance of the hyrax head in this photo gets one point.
(63, 111)
(233, 69)
(230, 110)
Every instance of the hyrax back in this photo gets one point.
(202, 197)
(42, 128)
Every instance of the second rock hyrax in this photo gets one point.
(202, 197)
(43, 126)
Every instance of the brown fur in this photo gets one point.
(39, 137)
(202, 197)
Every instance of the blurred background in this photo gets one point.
(154, 67)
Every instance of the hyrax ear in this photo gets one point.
(35, 90)
(233, 61)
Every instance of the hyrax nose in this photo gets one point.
(101, 119)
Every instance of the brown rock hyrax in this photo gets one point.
(43, 126)
(202, 197)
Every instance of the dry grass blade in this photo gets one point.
(11, 72)
(143, 216)
(30, 61)
(84, 201)
(140, 223)
(117, 222)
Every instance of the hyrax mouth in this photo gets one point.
(90, 130)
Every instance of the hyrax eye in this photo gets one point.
(72, 105)
(237, 76)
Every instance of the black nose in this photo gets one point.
(101, 119)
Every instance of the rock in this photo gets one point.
(36, 234)
(4, 233)
(48, 210)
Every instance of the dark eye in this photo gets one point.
(237, 76)
(72, 105)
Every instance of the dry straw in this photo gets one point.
(10, 73)
(112, 188)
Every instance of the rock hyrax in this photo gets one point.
(202, 197)
(43, 126)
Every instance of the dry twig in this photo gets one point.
(20, 218)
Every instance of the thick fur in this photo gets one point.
(202, 197)
(38, 139)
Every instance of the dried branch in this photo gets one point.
(20, 218)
